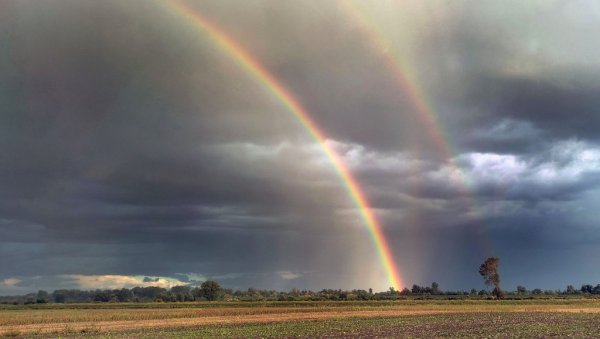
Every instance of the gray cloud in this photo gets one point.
(131, 145)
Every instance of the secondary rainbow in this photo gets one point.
(246, 61)
(407, 81)
(404, 76)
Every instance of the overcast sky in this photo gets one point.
(132, 147)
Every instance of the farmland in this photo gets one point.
(416, 318)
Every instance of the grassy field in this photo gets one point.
(409, 318)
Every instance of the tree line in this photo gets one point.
(211, 290)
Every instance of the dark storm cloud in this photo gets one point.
(104, 117)
(564, 109)
(133, 147)
(118, 145)
(509, 81)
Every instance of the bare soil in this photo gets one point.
(167, 318)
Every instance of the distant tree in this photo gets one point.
(150, 293)
(537, 291)
(60, 296)
(405, 291)
(435, 288)
(197, 293)
(30, 298)
(103, 295)
(416, 289)
(166, 296)
(123, 295)
(42, 297)
(570, 289)
(491, 277)
(521, 290)
(211, 290)
(362, 294)
(69, 296)
(473, 291)
(182, 293)
(587, 288)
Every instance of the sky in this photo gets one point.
(135, 150)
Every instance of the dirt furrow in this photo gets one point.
(124, 325)
(211, 320)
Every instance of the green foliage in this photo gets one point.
(42, 297)
(211, 290)
(182, 293)
(491, 277)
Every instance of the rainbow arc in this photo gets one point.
(402, 69)
(275, 88)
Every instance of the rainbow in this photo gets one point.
(404, 75)
(407, 80)
(247, 62)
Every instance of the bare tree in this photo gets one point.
(489, 272)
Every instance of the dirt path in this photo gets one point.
(102, 326)
(210, 320)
